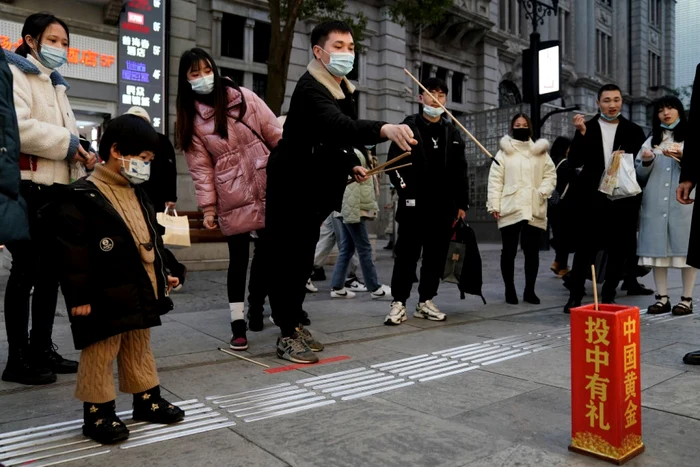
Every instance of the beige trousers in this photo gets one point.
(137, 367)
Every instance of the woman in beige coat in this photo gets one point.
(519, 186)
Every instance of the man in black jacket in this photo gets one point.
(602, 224)
(432, 192)
(690, 174)
(315, 156)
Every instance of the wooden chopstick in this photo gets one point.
(377, 172)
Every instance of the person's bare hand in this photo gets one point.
(580, 123)
(683, 193)
(172, 282)
(91, 161)
(461, 214)
(82, 310)
(81, 155)
(672, 153)
(402, 135)
(210, 223)
(648, 155)
(359, 173)
(496, 215)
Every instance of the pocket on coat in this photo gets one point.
(539, 205)
(509, 201)
(232, 190)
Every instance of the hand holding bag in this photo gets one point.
(620, 179)
(177, 229)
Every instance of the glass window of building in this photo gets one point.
(235, 75)
(232, 36)
(456, 88)
(261, 42)
(260, 85)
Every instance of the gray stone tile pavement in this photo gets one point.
(516, 412)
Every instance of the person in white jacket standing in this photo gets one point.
(518, 189)
(50, 156)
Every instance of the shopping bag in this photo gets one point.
(177, 229)
(620, 179)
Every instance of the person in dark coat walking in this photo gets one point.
(115, 279)
(315, 156)
(557, 204)
(433, 192)
(690, 174)
(602, 224)
(13, 208)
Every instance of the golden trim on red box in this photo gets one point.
(595, 444)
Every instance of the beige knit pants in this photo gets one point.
(137, 367)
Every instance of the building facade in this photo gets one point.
(687, 42)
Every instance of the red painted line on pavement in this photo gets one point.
(297, 366)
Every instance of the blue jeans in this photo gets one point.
(355, 236)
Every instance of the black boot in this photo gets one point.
(21, 369)
(255, 318)
(574, 302)
(530, 297)
(44, 354)
(511, 294)
(102, 423)
(508, 273)
(150, 407)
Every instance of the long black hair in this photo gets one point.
(191, 59)
(35, 25)
(559, 148)
(658, 132)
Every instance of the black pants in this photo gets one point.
(433, 238)
(615, 232)
(32, 266)
(238, 251)
(529, 238)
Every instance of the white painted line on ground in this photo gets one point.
(474, 352)
(677, 317)
(409, 359)
(455, 365)
(462, 347)
(272, 408)
(267, 392)
(377, 391)
(403, 365)
(463, 351)
(288, 411)
(493, 341)
(255, 405)
(442, 375)
(33, 459)
(71, 459)
(204, 429)
(246, 400)
(366, 388)
(419, 365)
(486, 359)
(361, 380)
(484, 354)
(266, 388)
(340, 379)
(503, 359)
(330, 375)
(360, 385)
(421, 370)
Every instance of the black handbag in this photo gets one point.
(463, 262)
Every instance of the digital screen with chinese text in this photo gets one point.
(142, 56)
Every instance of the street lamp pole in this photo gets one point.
(536, 12)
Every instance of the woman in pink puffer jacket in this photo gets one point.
(227, 133)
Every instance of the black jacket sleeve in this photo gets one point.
(336, 127)
(461, 173)
(72, 254)
(580, 148)
(690, 167)
(169, 169)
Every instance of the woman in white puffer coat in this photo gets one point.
(518, 189)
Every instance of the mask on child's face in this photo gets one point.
(138, 171)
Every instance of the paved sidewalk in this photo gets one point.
(514, 411)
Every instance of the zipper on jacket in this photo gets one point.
(154, 232)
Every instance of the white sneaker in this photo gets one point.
(355, 285)
(382, 292)
(342, 293)
(429, 311)
(397, 315)
(310, 287)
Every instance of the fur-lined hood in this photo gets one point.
(510, 146)
(323, 76)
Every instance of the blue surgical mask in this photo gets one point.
(432, 112)
(341, 63)
(203, 85)
(671, 126)
(138, 172)
(52, 57)
(610, 119)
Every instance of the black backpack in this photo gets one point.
(463, 263)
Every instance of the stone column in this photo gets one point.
(248, 38)
(216, 17)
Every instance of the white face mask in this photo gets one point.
(138, 172)
(432, 112)
(203, 85)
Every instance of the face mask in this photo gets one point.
(521, 134)
(341, 63)
(432, 112)
(52, 57)
(138, 172)
(203, 85)
(671, 126)
(610, 119)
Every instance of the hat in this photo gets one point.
(139, 112)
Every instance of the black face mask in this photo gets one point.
(521, 134)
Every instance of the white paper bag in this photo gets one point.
(177, 229)
(620, 179)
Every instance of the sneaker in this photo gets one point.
(311, 343)
(48, 357)
(239, 340)
(20, 370)
(429, 311)
(355, 285)
(295, 350)
(342, 293)
(382, 292)
(149, 406)
(310, 287)
(397, 315)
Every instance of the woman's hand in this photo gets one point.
(496, 215)
(210, 223)
(461, 214)
(172, 282)
(648, 155)
(82, 310)
(673, 153)
(359, 173)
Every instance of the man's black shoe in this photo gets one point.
(48, 357)
(572, 303)
(305, 321)
(692, 358)
(318, 274)
(636, 288)
(255, 318)
(21, 370)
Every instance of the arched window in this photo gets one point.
(508, 94)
